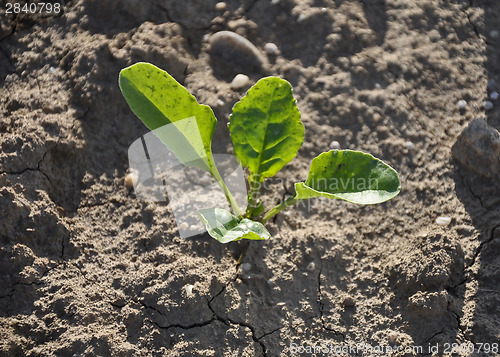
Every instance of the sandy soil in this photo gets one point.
(88, 269)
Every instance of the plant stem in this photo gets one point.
(227, 193)
(278, 208)
(255, 181)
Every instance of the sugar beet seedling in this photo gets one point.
(267, 133)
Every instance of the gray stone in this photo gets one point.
(231, 54)
(478, 148)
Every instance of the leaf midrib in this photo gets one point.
(261, 154)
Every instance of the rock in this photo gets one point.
(131, 179)
(491, 83)
(488, 105)
(231, 53)
(271, 49)
(494, 95)
(478, 148)
(443, 220)
(335, 145)
(409, 145)
(189, 290)
(220, 6)
(348, 301)
(462, 104)
(246, 266)
(240, 81)
(311, 266)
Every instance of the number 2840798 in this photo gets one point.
(33, 8)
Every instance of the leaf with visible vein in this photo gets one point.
(349, 175)
(158, 99)
(225, 227)
(265, 127)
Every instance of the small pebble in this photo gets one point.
(301, 18)
(240, 81)
(246, 266)
(52, 70)
(494, 95)
(271, 49)
(220, 102)
(334, 145)
(462, 104)
(189, 290)
(443, 220)
(491, 83)
(409, 145)
(220, 6)
(183, 226)
(488, 105)
(348, 301)
(131, 179)
(193, 228)
(494, 34)
(377, 86)
(392, 338)
(311, 266)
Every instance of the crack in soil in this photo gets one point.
(321, 308)
(482, 244)
(468, 186)
(474, 27)
(37, 168)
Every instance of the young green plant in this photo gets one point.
(267, 133)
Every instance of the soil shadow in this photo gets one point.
(481, 198)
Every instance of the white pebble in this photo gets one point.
(52, 70)
(311, 266)
(183, 226)
(377, 86)
(491, 83)
(392, 338)
(335, 145)
(271, 49)
(220, 102)
(193, 228)
(488, 105)
(493, 33)
(246, 266)
(462, 104)
(443, 220)
(240, 81)
(301, 18)
(131, 179)
(409, 145)
(220, 6)
(494, 95)
(189, 290)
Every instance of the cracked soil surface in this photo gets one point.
(88, 269)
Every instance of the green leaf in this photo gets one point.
(265, 127)
(158, 99)
(225, 227)
(351, 176)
